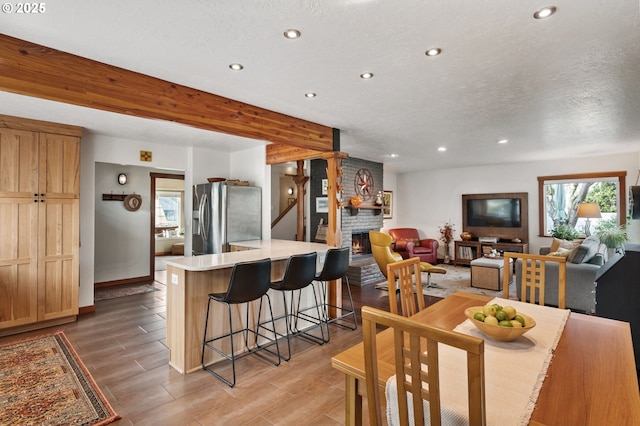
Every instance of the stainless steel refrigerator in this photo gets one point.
(223, 214)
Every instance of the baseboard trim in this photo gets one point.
(87, 310)
(135, 280)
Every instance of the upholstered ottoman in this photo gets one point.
(488, 273)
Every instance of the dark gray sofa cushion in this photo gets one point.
(585, 251)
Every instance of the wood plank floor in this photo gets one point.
(123, 346)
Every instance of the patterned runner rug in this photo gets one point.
(44, 382)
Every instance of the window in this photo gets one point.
(559, 197)
(169, 209)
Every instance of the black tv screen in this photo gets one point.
(496, 212)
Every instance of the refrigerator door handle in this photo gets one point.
(204, 218)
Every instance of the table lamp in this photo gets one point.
(588, 211)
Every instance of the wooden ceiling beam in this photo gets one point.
(281, 153)
(278, 153)
(38, 71)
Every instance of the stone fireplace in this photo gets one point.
(355, 223)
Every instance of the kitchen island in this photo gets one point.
(191, 279)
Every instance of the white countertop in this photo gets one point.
(260, 249)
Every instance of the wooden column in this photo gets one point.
(334, 229)
(300, 179)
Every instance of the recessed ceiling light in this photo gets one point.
(394, 155)
(310, 95)
(433, 52)
(366, 75)
(502, 141)
(292, 34)
(236, 67)
(545, 12)
(442, 149)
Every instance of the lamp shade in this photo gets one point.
(588, 210)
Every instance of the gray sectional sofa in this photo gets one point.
(583, 262)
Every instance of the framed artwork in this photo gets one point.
(322, 205)
(325, 185)
(388, 204)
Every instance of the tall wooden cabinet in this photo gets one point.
(39, 223)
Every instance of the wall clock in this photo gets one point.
(363, 183)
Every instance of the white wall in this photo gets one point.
(426, 200)
(121, 236)
(197, 164)
(390, 184)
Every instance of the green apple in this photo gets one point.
(505, 323)
(501, 315)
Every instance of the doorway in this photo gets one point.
(167, 221)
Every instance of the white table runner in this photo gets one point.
(514, 371)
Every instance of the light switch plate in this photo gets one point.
(174, 279)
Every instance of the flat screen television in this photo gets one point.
(498, 212)
(502, 215)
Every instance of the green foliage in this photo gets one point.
(605, 195)
(564, 233)
(611, 234)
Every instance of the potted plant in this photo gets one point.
(446, 237)
(564, 232)
(611, 234)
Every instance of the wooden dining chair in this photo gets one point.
(411, 338)
(533, 277)
(405, 273)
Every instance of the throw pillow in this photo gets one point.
(561, 253)
(557, 243)
(585, 251)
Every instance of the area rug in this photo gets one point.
(457, 278)
(44, 382)
(113, 292)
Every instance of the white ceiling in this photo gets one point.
(561, 87)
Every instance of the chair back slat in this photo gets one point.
(408, 277)
(416, 357)
(533, 277)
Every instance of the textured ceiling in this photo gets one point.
(561, 87)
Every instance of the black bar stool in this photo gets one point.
(299, 273)
(335, 267)
(249, 281)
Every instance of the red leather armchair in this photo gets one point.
(408, 244)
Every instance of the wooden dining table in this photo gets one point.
(592, 378)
